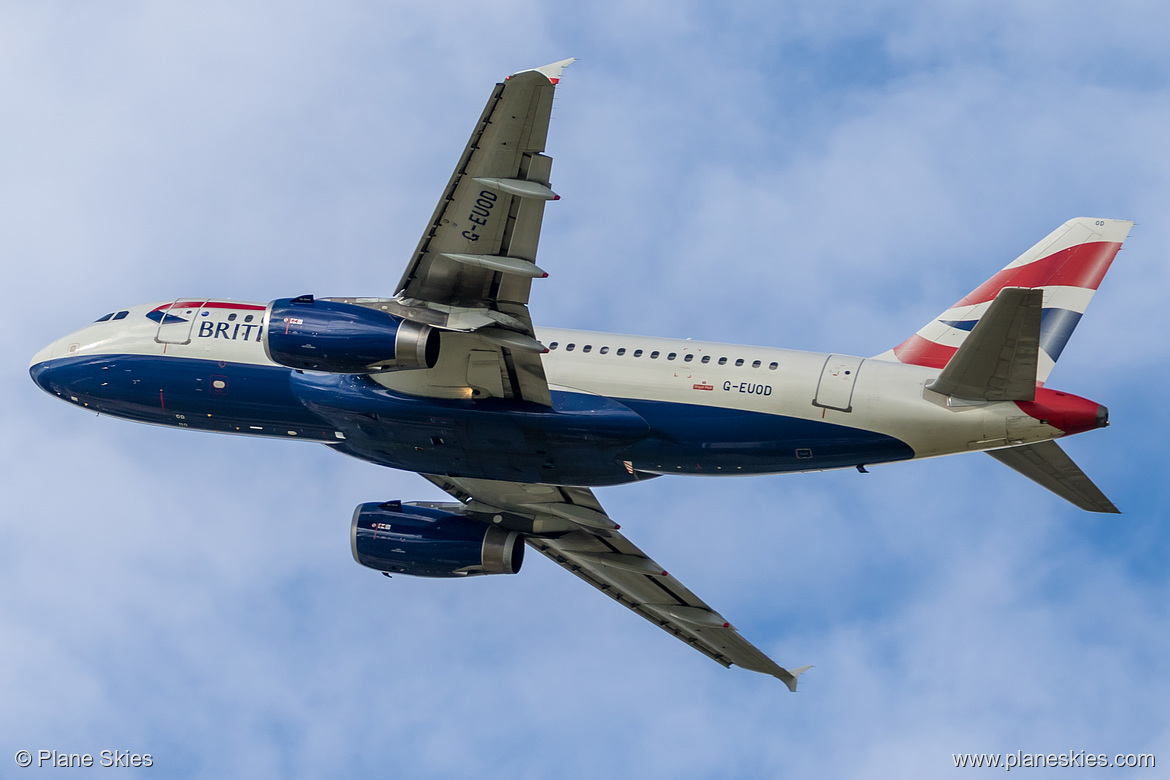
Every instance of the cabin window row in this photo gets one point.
(654, 355)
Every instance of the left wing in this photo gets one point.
(569, 526)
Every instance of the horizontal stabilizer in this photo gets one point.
(1047, 465)
(998, 361)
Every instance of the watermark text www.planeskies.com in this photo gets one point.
(1071, 759)
(103, 758)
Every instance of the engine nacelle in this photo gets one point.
(429, 541)
(343, 338)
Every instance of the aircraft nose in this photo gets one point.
(45, 355)
(41, 368)
(47, 364)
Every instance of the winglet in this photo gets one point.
(793, 675)
(552, 71)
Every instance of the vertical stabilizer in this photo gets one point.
(1068, 265)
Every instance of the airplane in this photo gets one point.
(449, 378)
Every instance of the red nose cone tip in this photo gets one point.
(1065, 411)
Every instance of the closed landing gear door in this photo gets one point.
(835, 389)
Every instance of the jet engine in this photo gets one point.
(431, 541)
(343, 338)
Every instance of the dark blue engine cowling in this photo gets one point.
(431, 541)
(344, 338)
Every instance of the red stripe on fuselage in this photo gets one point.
(918, 351)
(1083, 265)
(210, 305)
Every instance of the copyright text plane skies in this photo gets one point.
(449, 378)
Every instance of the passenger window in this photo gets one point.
(587, 348)
(688, 358)
(570, 347)
(247, 318)
(722, 361)
(621, 350)
(654, 355)
(637, 353)
(552, 345)
(756, 364)
(773, 366)
(671, 356)
(738, 362)
(706, 359)
(603, 350)
(232, 317)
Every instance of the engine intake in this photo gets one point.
(431, 541)
(343, 338)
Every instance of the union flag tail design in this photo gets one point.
(1068, 265)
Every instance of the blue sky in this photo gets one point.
(818, 176)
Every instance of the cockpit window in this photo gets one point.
(121, 315)
(104, 318)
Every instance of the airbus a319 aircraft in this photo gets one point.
(449, 378)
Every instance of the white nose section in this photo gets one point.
(48, 353)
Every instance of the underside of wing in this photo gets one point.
(479, 250)
(569, 526)
(473, 268)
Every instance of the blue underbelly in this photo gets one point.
(582, 440)
(689, 439)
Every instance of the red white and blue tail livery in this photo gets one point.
(1068, 265)
(449, 377)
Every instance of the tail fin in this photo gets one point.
(1068, 265)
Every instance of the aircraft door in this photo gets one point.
(835, 389)
(178, 320)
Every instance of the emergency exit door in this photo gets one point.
(835, 389)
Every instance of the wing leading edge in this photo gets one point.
(569, 526)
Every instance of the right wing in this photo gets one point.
(568, 525)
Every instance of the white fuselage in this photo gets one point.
(682, 376)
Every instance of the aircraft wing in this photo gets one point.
(568, 525)
(473, 268)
